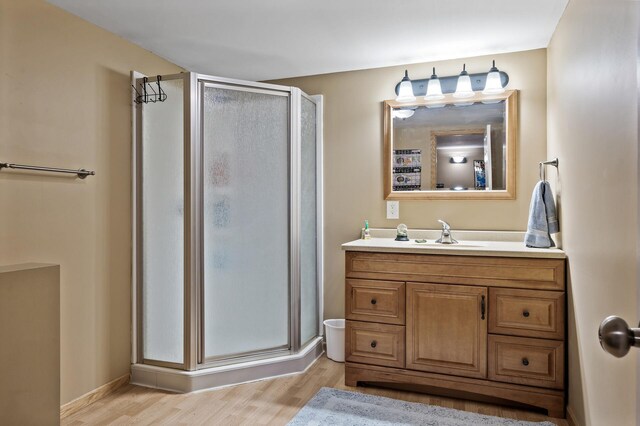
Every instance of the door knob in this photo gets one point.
(616, 337)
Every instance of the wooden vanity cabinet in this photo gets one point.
(467, 326)
(445, 330)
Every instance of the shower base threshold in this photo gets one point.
(208, 378)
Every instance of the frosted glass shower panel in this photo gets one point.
(163, 226)
(245, 221)
(308, 224)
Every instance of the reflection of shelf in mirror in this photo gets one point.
(407, 158)
(407, 170)
(407, 179)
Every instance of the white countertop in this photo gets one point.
(470, 243)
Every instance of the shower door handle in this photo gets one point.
(616, 337)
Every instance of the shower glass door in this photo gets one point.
(246, 266)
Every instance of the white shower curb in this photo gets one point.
(215, 377)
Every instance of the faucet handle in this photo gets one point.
(445, 225)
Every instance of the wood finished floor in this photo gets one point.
(268, 402)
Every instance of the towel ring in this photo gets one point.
(543, 169)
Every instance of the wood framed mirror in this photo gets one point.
(451, 148)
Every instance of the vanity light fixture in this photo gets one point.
(405, 93)
(493, 85)
(458, 159)
(463, 88)
(434, 89)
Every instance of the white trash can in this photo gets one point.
(335, 339)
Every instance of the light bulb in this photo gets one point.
(493, 85)
(463, 88)
(434, 89)
(405, 92)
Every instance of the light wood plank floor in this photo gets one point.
(269, 402)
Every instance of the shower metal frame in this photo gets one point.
(193, 140)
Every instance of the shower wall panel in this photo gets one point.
(162, 190)
(309, 298)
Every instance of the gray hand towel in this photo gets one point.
(542, 217)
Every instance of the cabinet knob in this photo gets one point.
(525, 313)
(374, 301)
(525, 362)
(374, 344)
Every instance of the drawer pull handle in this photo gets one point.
(525, 362)
(374, 301)
(525, 314)
(374, 344)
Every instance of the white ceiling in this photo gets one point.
(269, 39)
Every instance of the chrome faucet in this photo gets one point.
(446, 237)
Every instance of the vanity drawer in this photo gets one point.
(377, 344)
(525, 361)
(527, 313)
(535, 274)
(377, 301)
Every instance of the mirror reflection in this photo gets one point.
(450, 148)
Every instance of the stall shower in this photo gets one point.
(227, 212)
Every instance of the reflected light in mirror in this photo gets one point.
(458, 159)
(403, 113)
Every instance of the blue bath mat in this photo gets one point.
(341, 408)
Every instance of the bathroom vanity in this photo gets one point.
(481, 320)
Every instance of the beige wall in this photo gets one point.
(353, 156)
(64, 101)
(592, 119)
(30, 322)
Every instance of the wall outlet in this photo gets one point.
(393, 209)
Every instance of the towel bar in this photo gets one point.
(81, 173)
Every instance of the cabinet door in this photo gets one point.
(447, 329)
